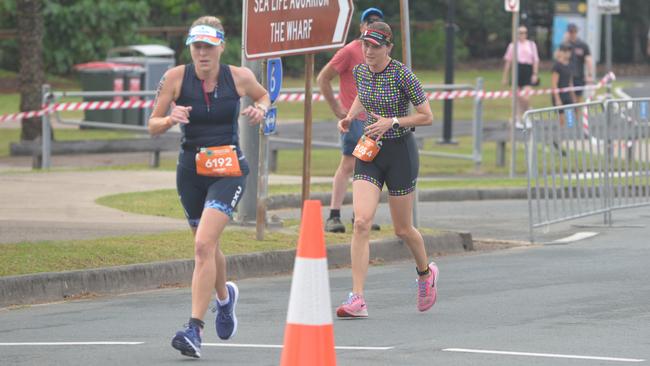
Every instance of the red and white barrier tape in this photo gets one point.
(457, 94)
(291, 97)
(80, 106)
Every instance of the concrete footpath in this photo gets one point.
(61, 206)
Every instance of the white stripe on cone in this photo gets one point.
(309, 302)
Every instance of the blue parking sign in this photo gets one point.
(570, 117)
(270, 121)
(274, 77)
(643, 110)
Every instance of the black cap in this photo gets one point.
(572, 27)
(376, 37)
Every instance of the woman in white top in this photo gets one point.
(527, 67)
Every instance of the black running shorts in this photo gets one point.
(396, 165)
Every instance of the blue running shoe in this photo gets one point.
(188, 341)
(226, 320)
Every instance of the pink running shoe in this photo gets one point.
(353, 307)
(427, 289)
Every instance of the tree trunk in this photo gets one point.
(31, 76)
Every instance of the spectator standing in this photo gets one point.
(562, 77)
(527, 70)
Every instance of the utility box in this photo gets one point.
(154, 59)
(133, 82)
(105, 76)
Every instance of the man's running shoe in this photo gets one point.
(427, 289)
(353, 307)
(226, 322)
(334, 225)
(188, 341)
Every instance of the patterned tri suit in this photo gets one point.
(389, 93)
(212, 122)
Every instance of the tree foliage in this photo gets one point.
(82, 30)
(71, 24)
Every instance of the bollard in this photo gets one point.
(46, 132)
(477, 125)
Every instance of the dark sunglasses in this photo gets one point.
(372, 20)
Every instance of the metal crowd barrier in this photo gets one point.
(586, 159)
(629, 152)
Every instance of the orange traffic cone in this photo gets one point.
(309, 334)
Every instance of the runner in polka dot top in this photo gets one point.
(386, 88)
(388, 93)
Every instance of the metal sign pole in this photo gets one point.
(608, 50)
(46, 131)
(262, 179)
(448, 104)
(250, 144)
(513, 148)
(406, 58)
(306, 156)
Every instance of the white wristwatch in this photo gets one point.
(395, 123)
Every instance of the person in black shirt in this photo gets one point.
(580, 60)
(562, 77)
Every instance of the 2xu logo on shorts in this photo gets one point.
(233, 203)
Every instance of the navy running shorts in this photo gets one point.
(349, 139)
(198, 192)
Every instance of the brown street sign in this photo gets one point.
(277, 28)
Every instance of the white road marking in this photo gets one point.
(575, 237)
(549, 355)
(243, 345)
(70, 343)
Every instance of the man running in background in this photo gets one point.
(341, 65)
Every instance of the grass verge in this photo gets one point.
(56, 256)
(165, 202)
